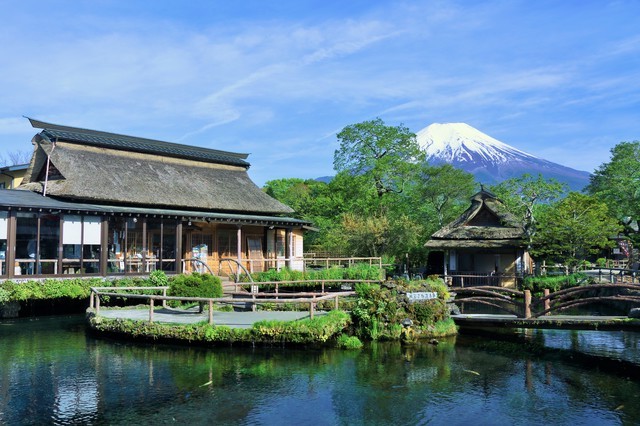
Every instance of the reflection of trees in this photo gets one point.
(48, 372)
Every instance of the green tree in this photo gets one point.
(386, 155)
(574, 228)
(445, 189)
(617, 183)
(525, 197)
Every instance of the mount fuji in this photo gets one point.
(488, 159)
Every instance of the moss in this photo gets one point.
(320, 330)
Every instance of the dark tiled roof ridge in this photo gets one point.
(133, 143)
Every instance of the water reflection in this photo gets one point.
(51, 372)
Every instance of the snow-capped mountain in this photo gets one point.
(488, 159)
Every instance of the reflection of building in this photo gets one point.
(100, 203)
(11, 176)
(485, 245)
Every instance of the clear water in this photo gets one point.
(52, 372)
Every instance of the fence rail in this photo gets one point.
(304, 298)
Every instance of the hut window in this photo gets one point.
(81, 244)
(161, 243)
(227, 243)
(26, 243)
(54, 173)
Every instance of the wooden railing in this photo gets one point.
(254, 298)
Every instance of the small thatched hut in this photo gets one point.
(485, 245)
(93, 202)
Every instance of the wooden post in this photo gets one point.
(547, 302)
(91, 302)
(311, 309)
(527, 303)
(337, 303)
(151, 310)
(461, 281)
(164, 294)
(210, 312)
(253, 305)
(97, 304)
(322, 285)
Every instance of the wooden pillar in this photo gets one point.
(288, 244)
(239, 250)
(527, 303)
(179, 247)
(547, 302)
(210, 312)
(151, 310)
(311, 306)
(104, 247)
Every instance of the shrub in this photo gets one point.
(195, 285)
(158, 278)
(554, 283)
(349, 342)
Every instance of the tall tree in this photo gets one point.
(445, 189)
(525, 194)
(617, 183)
(574, 228)
(386, 155)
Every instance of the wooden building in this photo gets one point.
(486, 245)
(99, 203)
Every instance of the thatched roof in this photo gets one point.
(485, 224)
(99, 167)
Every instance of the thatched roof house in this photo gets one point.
(99, 203)
(485, 245)
(100, 167)
(485, 224)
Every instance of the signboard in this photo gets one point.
(422, 295)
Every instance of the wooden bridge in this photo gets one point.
(523, 310)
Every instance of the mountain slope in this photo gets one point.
(488, 159)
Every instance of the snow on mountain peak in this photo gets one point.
(460, 142)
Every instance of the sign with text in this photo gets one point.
(422, 295)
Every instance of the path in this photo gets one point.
(229, 319)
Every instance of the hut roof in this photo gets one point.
(104, 168)
(57, 132)
(485, 224)
(30, 201)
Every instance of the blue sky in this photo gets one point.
(558, 79)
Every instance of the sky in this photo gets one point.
(278, 79)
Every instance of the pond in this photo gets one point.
(53, 372)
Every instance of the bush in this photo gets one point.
(349, 342)
(361, 271)
(554, 283)
(195, 285)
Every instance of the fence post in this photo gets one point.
(164, 294)
(547, 302)
(97, 304)
(151, 310)
(527, 303)
(611, 276)
(210, 312)
(91, 302)
(337, 304)
(322, 285)
(461, 281)
(311, 309)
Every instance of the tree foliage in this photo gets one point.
(524, 196)
(445, 189)
(574, 228)
(385, 155)
(617, 183)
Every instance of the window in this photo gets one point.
(81, 244)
